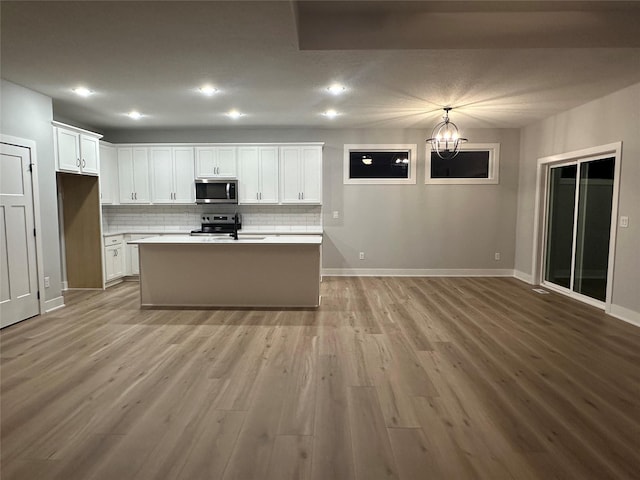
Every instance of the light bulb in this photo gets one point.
(208, 90)
(82, 91)
(336, 89)
(134, 115)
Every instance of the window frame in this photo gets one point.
(494, 166)
(412, 148)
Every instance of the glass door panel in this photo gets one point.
(560, 217)
(595, 198)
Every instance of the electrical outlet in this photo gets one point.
(336, 214)
(47, 282)
(496, 256)
(624, 222)
(361, 255)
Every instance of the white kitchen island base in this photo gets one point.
(199, 272)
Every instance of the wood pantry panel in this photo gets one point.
(82, 230)
(485, 379)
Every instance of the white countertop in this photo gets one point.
(195, 240)
(253, 230)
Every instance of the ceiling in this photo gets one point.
(498, 63)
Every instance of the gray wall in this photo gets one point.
(613, 118)
(28, 114)
(397, 226)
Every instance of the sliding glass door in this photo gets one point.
(579, 205)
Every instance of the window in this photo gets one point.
(476, 163)
(380, 164)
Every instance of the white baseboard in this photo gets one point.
(625, 314)
(525, 277)
(415, 272)
(53, 304)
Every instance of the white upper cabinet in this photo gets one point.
(172, 175)
(76, 150)
(301, 174)
(216, 161)
(133, 175)
(89, 154)
(108, 174)
(258, 174)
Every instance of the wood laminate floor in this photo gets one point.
(394, 378)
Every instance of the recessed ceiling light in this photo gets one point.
(234, 114)
(134, 115)
(331, 114)
(336, 89)
(208, 90)
(82, 91)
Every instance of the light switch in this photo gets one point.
(336, 214)
(624, 222)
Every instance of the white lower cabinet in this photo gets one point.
(114, 257)
(133, 259)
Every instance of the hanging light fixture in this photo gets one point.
(445, 138)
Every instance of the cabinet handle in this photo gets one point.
(131, 195)
(115, 253)
(84, 163)
(302, 195)
(77, 162)
(257, 196)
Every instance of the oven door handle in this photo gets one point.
(228, 188)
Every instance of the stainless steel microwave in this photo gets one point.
(216, 190)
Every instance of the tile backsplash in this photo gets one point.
(184, 218)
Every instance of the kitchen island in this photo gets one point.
(201, 271)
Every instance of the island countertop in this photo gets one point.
(255, 240)
(204, 271)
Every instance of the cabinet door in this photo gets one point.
(125, 175)
(134, 260)
(290, 175)
(248, 175)
(114, 260)
(206, 162)
(89, 155)
(268, 174)
(161, 175)
(141, 176)
(68, 150)
(183, 175)
(227, 163)
(108, 174)
(311, 178)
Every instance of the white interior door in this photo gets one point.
(19, 277)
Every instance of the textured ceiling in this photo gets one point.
(501, 64)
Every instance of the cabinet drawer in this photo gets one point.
(113, 240)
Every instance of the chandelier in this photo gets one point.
(445, 138)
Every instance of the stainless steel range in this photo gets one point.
(225, 224)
